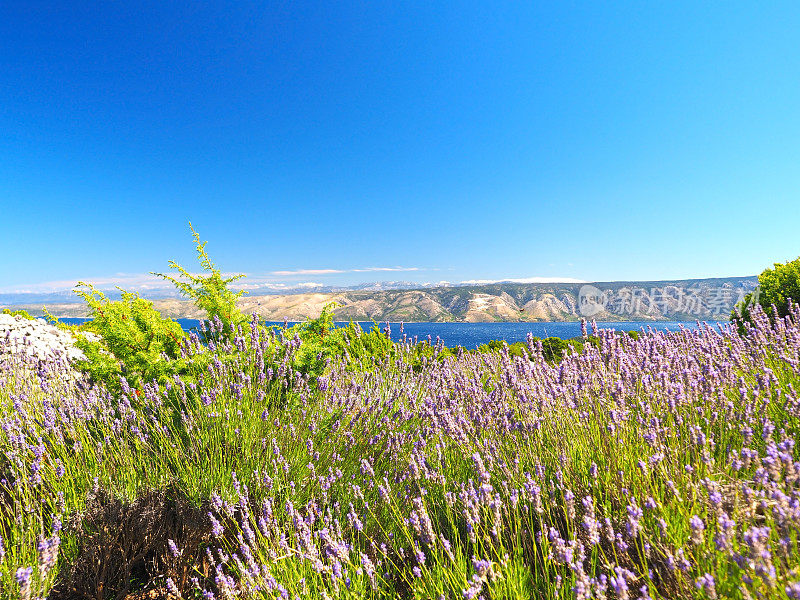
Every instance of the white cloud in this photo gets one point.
(339, 271)
(261, 286)
(523, 280)
(308, 272)
(146, 282)
(130, 282)
(127, 281)
(393, 269)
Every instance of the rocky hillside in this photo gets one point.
(705, 299)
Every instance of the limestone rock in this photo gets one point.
(38, 339)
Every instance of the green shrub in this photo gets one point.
(321, 341)
(519, 349)
(136, 340)
(552, 347)
(424, 352)
(775, 288)
(492, 346)
(210, 293)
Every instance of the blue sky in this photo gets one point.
(313, 143)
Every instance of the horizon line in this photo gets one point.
(294, 288)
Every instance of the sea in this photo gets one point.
(471, 335)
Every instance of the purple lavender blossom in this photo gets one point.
(697, 526)
(707, 584)
(23, 577)
(216, 527)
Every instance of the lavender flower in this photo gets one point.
(707, 584)
(697, 525)
(23, 577)
(216, 527)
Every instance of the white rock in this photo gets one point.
(37, 338)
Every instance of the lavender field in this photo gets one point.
(659, 467)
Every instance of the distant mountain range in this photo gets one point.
(169, 292)
(675, 300)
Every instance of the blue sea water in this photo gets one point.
(471, 335)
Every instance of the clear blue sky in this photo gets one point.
(591, 140)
